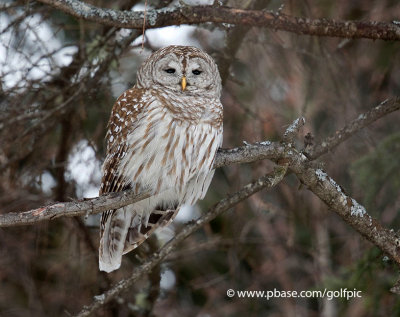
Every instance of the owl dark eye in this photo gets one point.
(196, 72)
(170, 70)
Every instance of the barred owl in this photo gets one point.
(162, 136)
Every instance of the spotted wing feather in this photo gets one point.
(114, 224)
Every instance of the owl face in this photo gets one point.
(182, 70)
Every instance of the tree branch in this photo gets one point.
(384, 108)
(72, 209)
(202, 14)
(265, 182)
(293, 129)
(347, 208)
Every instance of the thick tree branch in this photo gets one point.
(265, 182)
(384, 108)
(202, 14)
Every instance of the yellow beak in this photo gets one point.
(183, 83)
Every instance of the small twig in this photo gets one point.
(293, 129)
(234, 38)
(384, 108)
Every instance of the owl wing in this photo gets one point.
(122, 230)
(114, 225)
(117, 130)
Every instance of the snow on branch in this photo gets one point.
(389, 31)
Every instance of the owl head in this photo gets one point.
(182, 70)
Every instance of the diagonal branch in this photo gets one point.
(347, 208)
(265, 182)
(202, 14)
(363, 120)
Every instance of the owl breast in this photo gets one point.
(172, 152)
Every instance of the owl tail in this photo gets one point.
(125, 230)
(113, 240)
